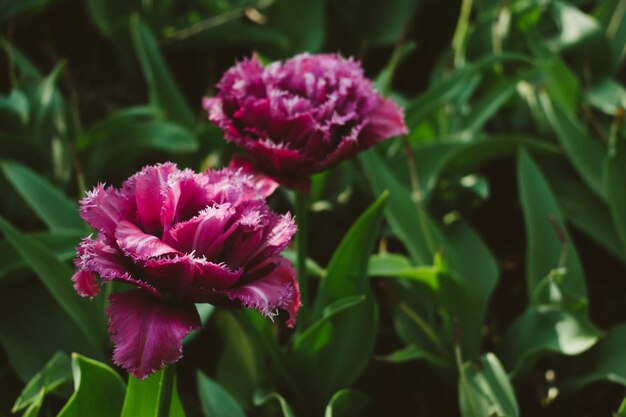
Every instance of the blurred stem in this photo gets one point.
(424, 327)
(302, 214)
(167, 387)
(458, 355)
(418, 197)
(460, 33)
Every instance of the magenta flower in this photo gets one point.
(301, 116)
(182, 238)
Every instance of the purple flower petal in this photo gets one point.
(147, 332)
(206, 232)
(385, 121)
(279, 290)
(264, 185)
(137, 244)
(85, 283)
(104, 208)
(148, 185)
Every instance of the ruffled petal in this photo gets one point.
(148, 184)
(147, 332)
(85, 283)
(104, 208)
(277, 291)
(139, 245)
(206, 232)
(184, 195)
(385, 121)
(263, 184)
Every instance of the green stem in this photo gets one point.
(458, 40)
(418, 197)
(167, 388)
(302, 211)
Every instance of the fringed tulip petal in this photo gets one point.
(147, 332)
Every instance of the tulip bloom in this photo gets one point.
(182, 238)
(302, 116)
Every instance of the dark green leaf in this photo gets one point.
(605, 361)
(302, 21)
(164, 94)
(62, 244)
(606, 95)
(142, 397)
(33, 327)
(615, 176)
(55, 275)
(216, 402)
(544, 223)
(262, 399)
(447, 90)
(553, 329)
(98, 390)
(348, 403)
(485, 389)
(239, 366)
(585, 153)
(50, 204)
(346, 274)
(55, 373)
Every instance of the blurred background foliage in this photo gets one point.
(475, 267)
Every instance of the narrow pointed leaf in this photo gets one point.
(215, 400)
(55, 275)
(485, 389)
(56, 372)
(47, 201)
(164, 93)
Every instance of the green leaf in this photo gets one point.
(401, 213)
(413, 352)
(14, 110)
(621, 412)
(614, 177)
(485, 108)
(55, 373)
(62, 244)
(346, 274)
(98, 390)
(485, 389)
(47, 201)
(553, 329)
(142, 397)
(387, 265)
(216, 402)
(542, 217)
(347, 403)
(55, 276)
(164, 94)
(331, 353)
(262, 399)
(41, 328)
(9, 9)
(576, 26)
(585, 210)
(585, 153)
(302, 21)
(450, 88)
(377, 22)
(606, 95)
(239, 366)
